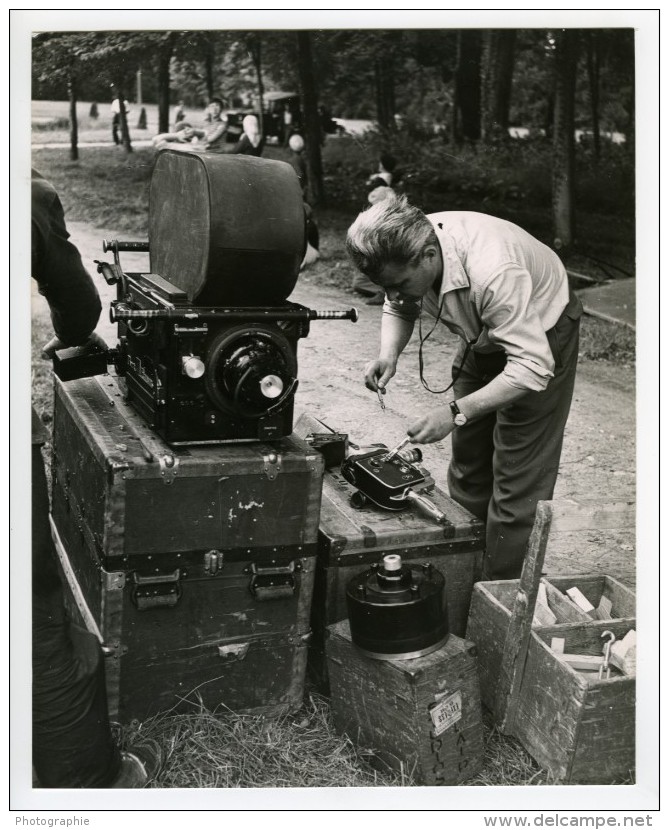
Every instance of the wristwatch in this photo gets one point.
(458, 418)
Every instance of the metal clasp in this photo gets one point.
(213, 562)
(272, 463)
(169, 467)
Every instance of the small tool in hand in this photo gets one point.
(379, 392)
(394, 452)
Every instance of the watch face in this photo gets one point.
(460, 419)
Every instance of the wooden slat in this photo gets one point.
(589, 514)
(520, 626)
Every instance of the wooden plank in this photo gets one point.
(582, 662)
(519, 630)
(563, 608)
(549, 709)
(569, 515)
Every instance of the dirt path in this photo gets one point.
(598, 459)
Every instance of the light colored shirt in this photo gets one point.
(116, 107)
(501, 289)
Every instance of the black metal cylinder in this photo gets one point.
(397, 611)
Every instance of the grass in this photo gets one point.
(108, 188)
(222, 749)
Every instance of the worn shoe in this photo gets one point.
(139, 765)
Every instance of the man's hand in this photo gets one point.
(379, 372)
(435, 425)
(55, 345)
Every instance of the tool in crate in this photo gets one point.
(391, 479)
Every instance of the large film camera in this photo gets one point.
(207, 339)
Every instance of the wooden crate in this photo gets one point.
(422, 716)
(578, 727)
(492, 607)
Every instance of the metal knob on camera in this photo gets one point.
(397, 611)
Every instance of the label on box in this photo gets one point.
(447, 712)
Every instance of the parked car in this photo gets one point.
(282, 115)
(235, 118)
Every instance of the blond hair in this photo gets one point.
(391, 231)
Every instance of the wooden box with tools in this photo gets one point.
(194, 566)
(541, 649)
(492, 607)
(421, 715)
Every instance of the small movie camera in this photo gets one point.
(207, 339)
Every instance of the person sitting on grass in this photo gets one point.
(213, 138)
(183, 134)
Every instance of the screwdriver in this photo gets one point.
(394, 452)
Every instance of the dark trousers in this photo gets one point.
(505, 462)
(116, 124)
(72, 740)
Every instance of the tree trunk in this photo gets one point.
(593, 61)
(255, 51)
(497, 77)
(312, 119)
(467, 88)
(384, 81)
(164, 60)
(209, 60)
(566, 57)
(74, 126)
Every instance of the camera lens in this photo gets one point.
(250, 369)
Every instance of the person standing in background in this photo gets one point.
(116, 118)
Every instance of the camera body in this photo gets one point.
(196, 378)
(207, 339)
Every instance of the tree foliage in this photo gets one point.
(419, 86)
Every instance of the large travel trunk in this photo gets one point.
(195, 566)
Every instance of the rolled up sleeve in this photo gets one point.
(506, 309)
(406, 309)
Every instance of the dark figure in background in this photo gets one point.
(379, 186)
(72, 741)
(299, 165)
(383, 177)
(506, 295)
(116, 118)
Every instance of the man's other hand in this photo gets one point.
(55, 345)
(378, 373)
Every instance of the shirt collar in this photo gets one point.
(454, 275)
